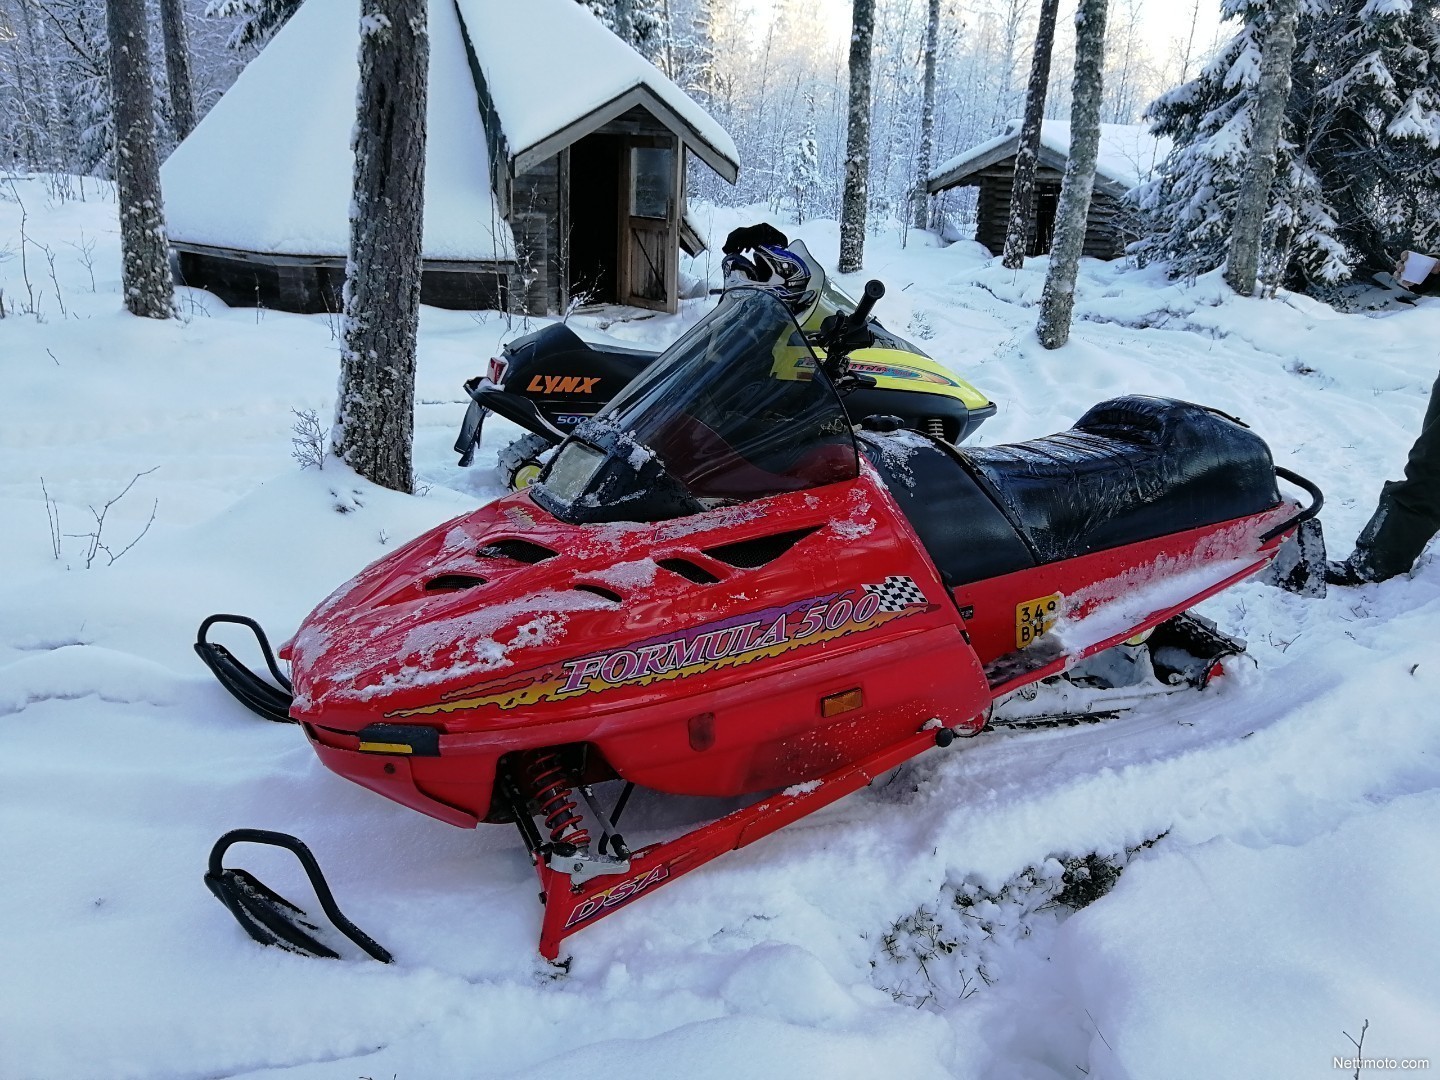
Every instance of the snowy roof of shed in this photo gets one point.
(1129, 154)
(555, 74)
(270, 170)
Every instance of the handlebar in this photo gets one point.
(874, 290)
(841, 333)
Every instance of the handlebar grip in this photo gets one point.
(874, 290)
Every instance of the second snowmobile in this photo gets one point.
(551, 380)
(721, 587)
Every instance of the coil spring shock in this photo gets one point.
(553, 793)
(935, 426)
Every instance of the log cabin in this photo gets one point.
(1128, 157)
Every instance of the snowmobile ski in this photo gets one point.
(270, 700)
(266, 915)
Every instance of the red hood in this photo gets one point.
(508, 606)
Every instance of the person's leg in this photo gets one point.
(1407, 515)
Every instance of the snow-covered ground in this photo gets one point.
(906, 931)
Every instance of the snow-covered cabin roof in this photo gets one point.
(555, 74)
(269, 169)
(1129, 154)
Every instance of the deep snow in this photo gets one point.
(1289, 897)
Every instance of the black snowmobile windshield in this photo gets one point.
(733, 411)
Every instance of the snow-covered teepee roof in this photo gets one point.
(270, 168)
(1129, 155)
(555, 74)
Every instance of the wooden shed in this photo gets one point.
(555, 165)
(1128, 157)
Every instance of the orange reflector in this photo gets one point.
(387, 748)
(847, 701)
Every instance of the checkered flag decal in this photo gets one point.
(897, 593)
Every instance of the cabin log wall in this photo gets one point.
(1105, 236)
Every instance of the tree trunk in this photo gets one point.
(1058, 301)
(40, 134)
(145, 272)
(375, 407)
(857, 140)
(921, 217)
(177, 67)
(1022, 195)
(1271, 96)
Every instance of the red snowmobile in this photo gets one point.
(720, 588)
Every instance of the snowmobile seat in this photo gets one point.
(966, 535)
(1131, 469)
(559, 345)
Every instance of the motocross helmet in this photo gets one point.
(771, 265)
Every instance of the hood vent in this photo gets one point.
(688, 570)
(514, 548)
(453, 582)
(750, 554)
(602, 592)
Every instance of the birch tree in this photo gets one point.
(921, 218)
(1022, 195)
(1057, 303)
(857, 139)
(177, 67)
(375, 407)
(145, 270)
(1243, 264)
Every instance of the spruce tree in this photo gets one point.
(1375, 133)
(1356, 178)
(803, 173)
(260, 20)
(1190, 204)
(1252, 203)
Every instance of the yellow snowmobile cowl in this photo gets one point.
(890, 368)
(894, 370)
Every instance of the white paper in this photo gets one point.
(1415, 268)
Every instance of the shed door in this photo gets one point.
(650, 222)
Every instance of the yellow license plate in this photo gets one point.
(1034, 618)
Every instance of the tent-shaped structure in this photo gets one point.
(1129, 155)
(555, 165)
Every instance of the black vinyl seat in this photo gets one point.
(558, 342)
(964, 531)
(1131, 469)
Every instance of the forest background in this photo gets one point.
(772, 71)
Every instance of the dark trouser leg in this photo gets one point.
(1408, 514)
